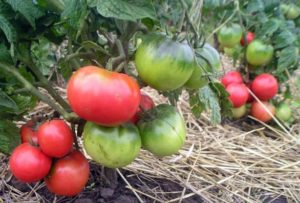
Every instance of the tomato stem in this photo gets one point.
(74, 136)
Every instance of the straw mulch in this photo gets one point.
(239, 161)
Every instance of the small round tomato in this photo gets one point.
(103, 97)
(249, 38)
(230, 35)
(238, 94)
(239, 111)
(29, 164)
(259, 112)
(163, 63)
(163, 132)
(231, 77)
(293, 12)
(145, 105)
(265, 86)
(259, 53)
(210, 64)
(283, 112)
(112, 147)
(68, 175)
(55, 138)
(28, 133)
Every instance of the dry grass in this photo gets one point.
(233, 162)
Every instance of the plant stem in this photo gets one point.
(74, 136)
(71, 117)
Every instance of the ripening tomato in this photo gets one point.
(163, 63)
(103, 97)
(231, 77)
(284, 112)
(230, 35)
(259, 112)
(249, 38)
(68, 175)
(258, 53)
(28, 133)
(238, 94)
(264, 86)
(29, 164)
(55, 138)
(239, 111)
(145, 105)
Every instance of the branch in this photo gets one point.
(71, 117)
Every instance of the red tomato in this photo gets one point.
(28, 133)
(238, 94)
(250, 98)
(55, 138)
(103, 97)
(68, 175)
(231, 77)
(249, 37)
(265, 86)
(29, 164)
(258, 111)
(146, 104)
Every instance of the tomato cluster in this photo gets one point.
(47, 153)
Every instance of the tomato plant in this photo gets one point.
(68, 175)
(264, 86)
(259, 112)
(163, 132)
(145, 105)
(29, 164)
(113, 147)
(163, 63)
(238, 94)
(230, 35)
(104, 97)
(28, 133)
(55, 138)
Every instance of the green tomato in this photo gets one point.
(283, 112)
(258, 53)
(113, 147)
(163, 131)
(229, 36)
(239, 112)
(284, 8)
(164, 64)
(292, 12)
(212, 57)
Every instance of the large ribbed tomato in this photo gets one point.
(103, 97)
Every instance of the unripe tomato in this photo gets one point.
(292, 12)
(29, 164)
(265, 86)
(284, 112)
(145, 105)
(258, 111)
(230, 35)
(112, 147)
(103, 97)
(212, 56)
(28, 133)
(68, 175)
(163, 133)
(55, 138)
(239, 111)
(231, 77)
(238, 94)
(163, 63)
(259, 53)
(249, 37)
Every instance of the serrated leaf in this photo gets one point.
(7, 102)
(270, 5)
(255, 6)
(268, 28)
(283, 39)
(222, 95)
(208, 97)
(28, 9)
(5, 55)
(131, 10)
(287, 57)
(196, 106)
(8, 29)
(9, 136)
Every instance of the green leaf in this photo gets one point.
(9, 136)
(222, 95)
(283, 39)
(5, 55)
(255, 6)
(28, 9)
(210, 100)
(197, 107)
(7, 102)
(8, 29)
(173, 96)
(287, 57)
(131, 10)
(268, 28)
